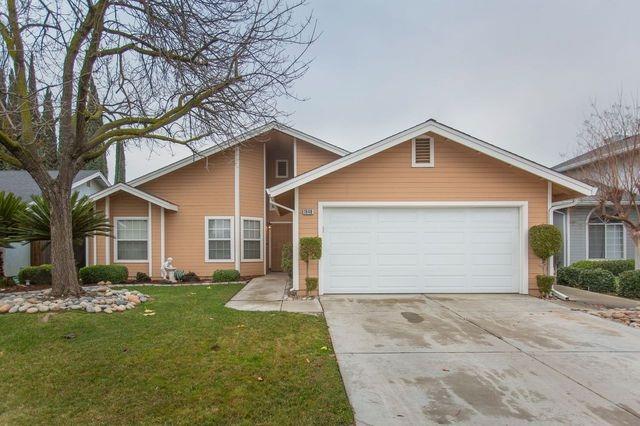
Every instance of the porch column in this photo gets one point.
(162, 253)
(107, 240)
(295, 242)
(236, 193)
(150, 239)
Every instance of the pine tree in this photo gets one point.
(121, 176)
(93, 108)
(48, 129)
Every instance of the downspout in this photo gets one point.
(552, 209)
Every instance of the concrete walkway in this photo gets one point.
(591, 299)
(267, 294)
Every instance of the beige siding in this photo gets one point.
(252, 197)
(460, 174)
(310, 157)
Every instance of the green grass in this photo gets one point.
(195, 361)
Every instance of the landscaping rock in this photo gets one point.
(133, 299)
(32, 310)
(5, 308)
(630, 317)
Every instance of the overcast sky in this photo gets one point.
(519, 74)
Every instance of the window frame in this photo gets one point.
(278, 175)
(231, 239)
(242, 239)
(117, 219)
(432, 162)
(605, 224)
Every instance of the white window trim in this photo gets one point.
(286, 162)
(115, 240)
(624, 239)
(257, 219)
(206, 239)
(431, 163)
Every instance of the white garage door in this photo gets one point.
(420, 250)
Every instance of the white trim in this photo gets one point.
(295, 157)
(236, 141)
(258, 219)
(280, 222)
(278, 175)
(449, 133)
(150, 242)
(624, 238)
(96, 175)
(236, 205)
(270, 248)
(523, 207)
(136, 193)
(162, 247)
(295, 243)
(231, 238)
(116, 219)
(86, 251)
(567, 259)
(95, 249)
(431, 162)
(107, 241)
(264, 205)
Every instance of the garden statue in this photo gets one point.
(167, 271)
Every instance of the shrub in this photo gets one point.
(40, 275)
(96, 273)
(287, 259)
(616, 267)
(545, 240)
(598, 280)
(569, 276)
(545, 282)
(226, 275)
(629, 284)
(141, 277)
(311, 283)
(6, 281)
(191, 277)
(179, 274)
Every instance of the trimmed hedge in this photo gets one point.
(569, 276)
(226, 275)
(40, 275)
(545, 240)
(629, 284)
(311, 284)
(616, 267)
(141, 277)
(96, 273)
(598, 280)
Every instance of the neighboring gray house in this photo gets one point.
(585, 234)
(20, 183)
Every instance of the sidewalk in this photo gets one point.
(268, 294)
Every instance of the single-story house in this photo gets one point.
(429, 209)
(19, 182)
(585, 234)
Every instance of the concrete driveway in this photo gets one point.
(482, 359)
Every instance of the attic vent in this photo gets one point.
(422, 152)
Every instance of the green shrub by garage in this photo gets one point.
(629, 284)
(616, 267)
(95, 273)
(569, 276)
(226, 275)
(598, 280)
(39, 275)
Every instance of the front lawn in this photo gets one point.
(194, 361)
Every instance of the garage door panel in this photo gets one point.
(420, 249)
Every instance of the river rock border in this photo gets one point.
(95, 300)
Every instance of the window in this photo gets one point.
(422, 152)
(606, 238)
(219, 239)
(282, 168)
(132, 239)
(252, 239)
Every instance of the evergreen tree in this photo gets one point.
(48, 130)
(3, 106)
(94, 110)
(33, 92)
(121, 176)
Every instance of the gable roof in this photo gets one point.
(236, 141)
(136, 193)
(432, 125)
(22, 184)
(614, 147)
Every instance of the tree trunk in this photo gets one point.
(1, 262)
(65, 276)
(636, 243)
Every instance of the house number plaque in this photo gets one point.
(307, 212)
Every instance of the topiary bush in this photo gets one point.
(545, 241)
(310, 249)
(629, 284)
(226, 275)
(141, 277)
(39, 275)
(616, 267)
(545, 282)
(191, 277)
(287, 259)
(95, 273)
(311, 284)
(598, 280)
(569, 276)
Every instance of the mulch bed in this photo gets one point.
(21, 288)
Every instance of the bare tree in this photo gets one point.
(166, 71)
(611, 162)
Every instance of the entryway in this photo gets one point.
(280, 233)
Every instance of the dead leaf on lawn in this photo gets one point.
(148, 311)
(324, 348)
(150, 314)
(308, 362)
(260, 379)
(209, 287)
(125, 350)
(46, 317)
(241, 326)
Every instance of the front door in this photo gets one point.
(280, 234)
